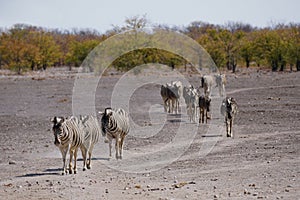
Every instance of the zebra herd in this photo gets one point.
(171, 92)
(83, 132)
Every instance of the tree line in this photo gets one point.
(25, 47)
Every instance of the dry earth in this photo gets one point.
(262, 161)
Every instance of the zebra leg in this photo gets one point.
(75, 161)
(64, 155)
(110, 145)
(117, 146)
(227, 127)
(231, 135)
(165, 105)
(90, 157)
(70, 161)
(121, 146)
(83, 152)
(199, 115)
(177, 106)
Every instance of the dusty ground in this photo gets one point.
(262, 161)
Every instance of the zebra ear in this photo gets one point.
(108, 111)
(62, 119)
(228, 100)
(53, 120)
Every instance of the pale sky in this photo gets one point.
(102, 14)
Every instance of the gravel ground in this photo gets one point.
(165, 156)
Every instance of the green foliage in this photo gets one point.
(25, 47)
(78, 51)
(144, 56)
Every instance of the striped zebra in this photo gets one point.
(171, 93)
(216, 80)
(68, 136)
(115, 125)
(229, 109)
(91, 129)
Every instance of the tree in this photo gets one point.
(16, 53)
(292, 40)
(78, 51)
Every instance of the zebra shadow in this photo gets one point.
(212, 135)
(47, 172)
(175, 120)
(80, 159)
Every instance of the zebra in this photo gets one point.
(171, 93)
(169, 98)
(91, 129)
(68, 136)
(217, 80)
(204, 108)
(190, 95)
(229, 109)
(115, 125)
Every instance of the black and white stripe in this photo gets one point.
(229, 109)
(68, 136)
(115, 125)
(92, 132)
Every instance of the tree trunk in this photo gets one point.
(291, 67)
(247, 63)
(233, 67)
(298, 65)
(281, 67)
(274, 65)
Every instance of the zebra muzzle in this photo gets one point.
(56, 142)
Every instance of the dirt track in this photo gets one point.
(261, 162)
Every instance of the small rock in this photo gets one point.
(216, 196)
(8, 185)
(12, 162)
(286, 190)
(246, 191)
(106, 191)
(138, 186)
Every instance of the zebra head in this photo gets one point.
(231, 109)
(105, 119)
(57, 129)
